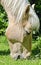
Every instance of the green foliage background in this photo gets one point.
(4, 19)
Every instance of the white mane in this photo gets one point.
(33, 19)
(16, 7)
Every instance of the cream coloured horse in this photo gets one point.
(22, 21)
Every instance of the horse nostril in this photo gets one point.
(18, 57)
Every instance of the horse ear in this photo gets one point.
(27, 8)
(33, 5)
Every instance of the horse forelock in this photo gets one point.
(15, 7)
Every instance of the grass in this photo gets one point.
(5, 58)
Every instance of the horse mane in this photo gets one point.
(15, 7)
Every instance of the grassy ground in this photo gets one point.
(5, 58)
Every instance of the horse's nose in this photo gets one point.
(18, 57)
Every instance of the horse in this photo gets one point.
(22, 21)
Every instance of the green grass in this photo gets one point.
(5, 58)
